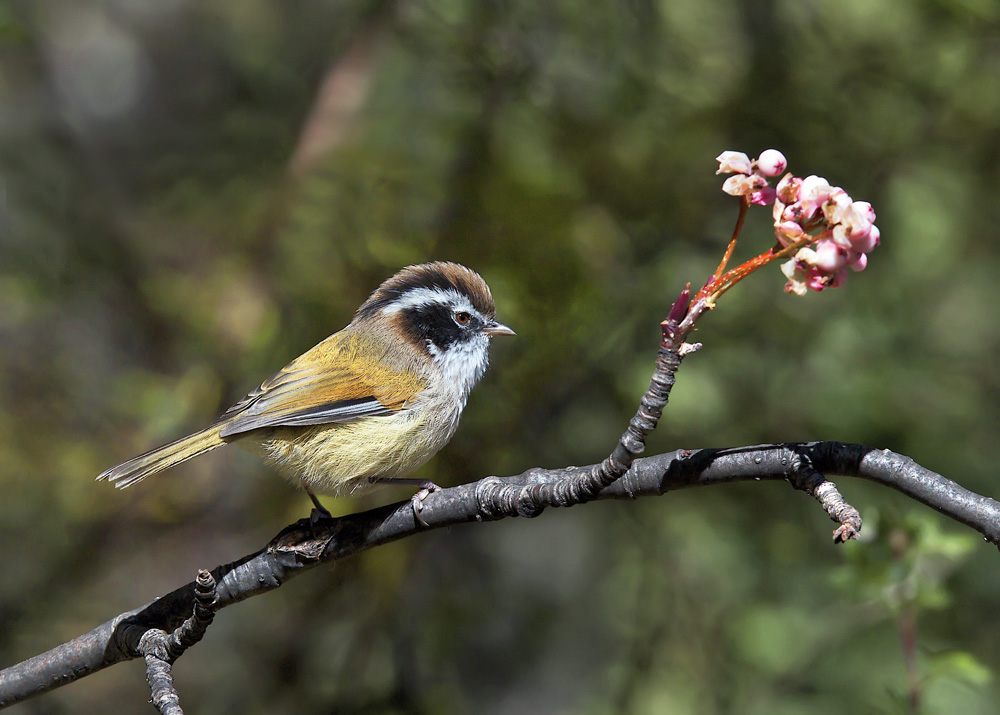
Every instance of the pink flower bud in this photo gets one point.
(796, 287)
(858, 216)
(866, 241)
(743, 185)
(864, 209)
(858, 262)
(841, 235)
(737, 185)
(805, 258)
(763, 197)
(788, 232)
(800, 211)
(788, 189)
(771, 162)
(852, 223)
(829, 256)
(814, 188)
(816, 280)
(733, 162)
(796, 277)
(836, 205)
(837, 279)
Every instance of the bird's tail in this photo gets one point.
(155, 461)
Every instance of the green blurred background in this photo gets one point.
(194, 192)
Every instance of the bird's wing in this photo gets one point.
(336, 381)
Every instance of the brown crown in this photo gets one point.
(441, 275)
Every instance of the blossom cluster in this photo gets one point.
(833, 232)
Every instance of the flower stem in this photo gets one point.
(720, 284)
(744, 205)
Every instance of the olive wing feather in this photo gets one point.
(331, 383)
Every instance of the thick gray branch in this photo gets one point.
(299, 547)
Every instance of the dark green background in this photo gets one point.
(159, 257)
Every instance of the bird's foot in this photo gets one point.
(426, 487)
(316, 516)
(318, 513)
(418, 500)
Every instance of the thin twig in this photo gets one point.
(804, 477)
(161, 649)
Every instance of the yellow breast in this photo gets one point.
(343, 458)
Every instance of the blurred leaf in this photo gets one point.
(959, 665)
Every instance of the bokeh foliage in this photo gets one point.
(158, 257)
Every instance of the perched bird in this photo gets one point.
(370, 403)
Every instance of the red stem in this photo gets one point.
(744, 205)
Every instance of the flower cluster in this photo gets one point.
(830, 230)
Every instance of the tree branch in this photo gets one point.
(161, 649)
(302, 546)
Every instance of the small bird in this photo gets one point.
(371, 403)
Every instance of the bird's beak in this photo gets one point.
(495, 328)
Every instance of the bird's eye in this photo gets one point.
(462, 318)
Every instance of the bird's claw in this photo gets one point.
(417, 500)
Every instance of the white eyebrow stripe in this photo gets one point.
(416, 297)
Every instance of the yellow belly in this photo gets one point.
(343, 458)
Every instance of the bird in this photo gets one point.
(370, 403)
